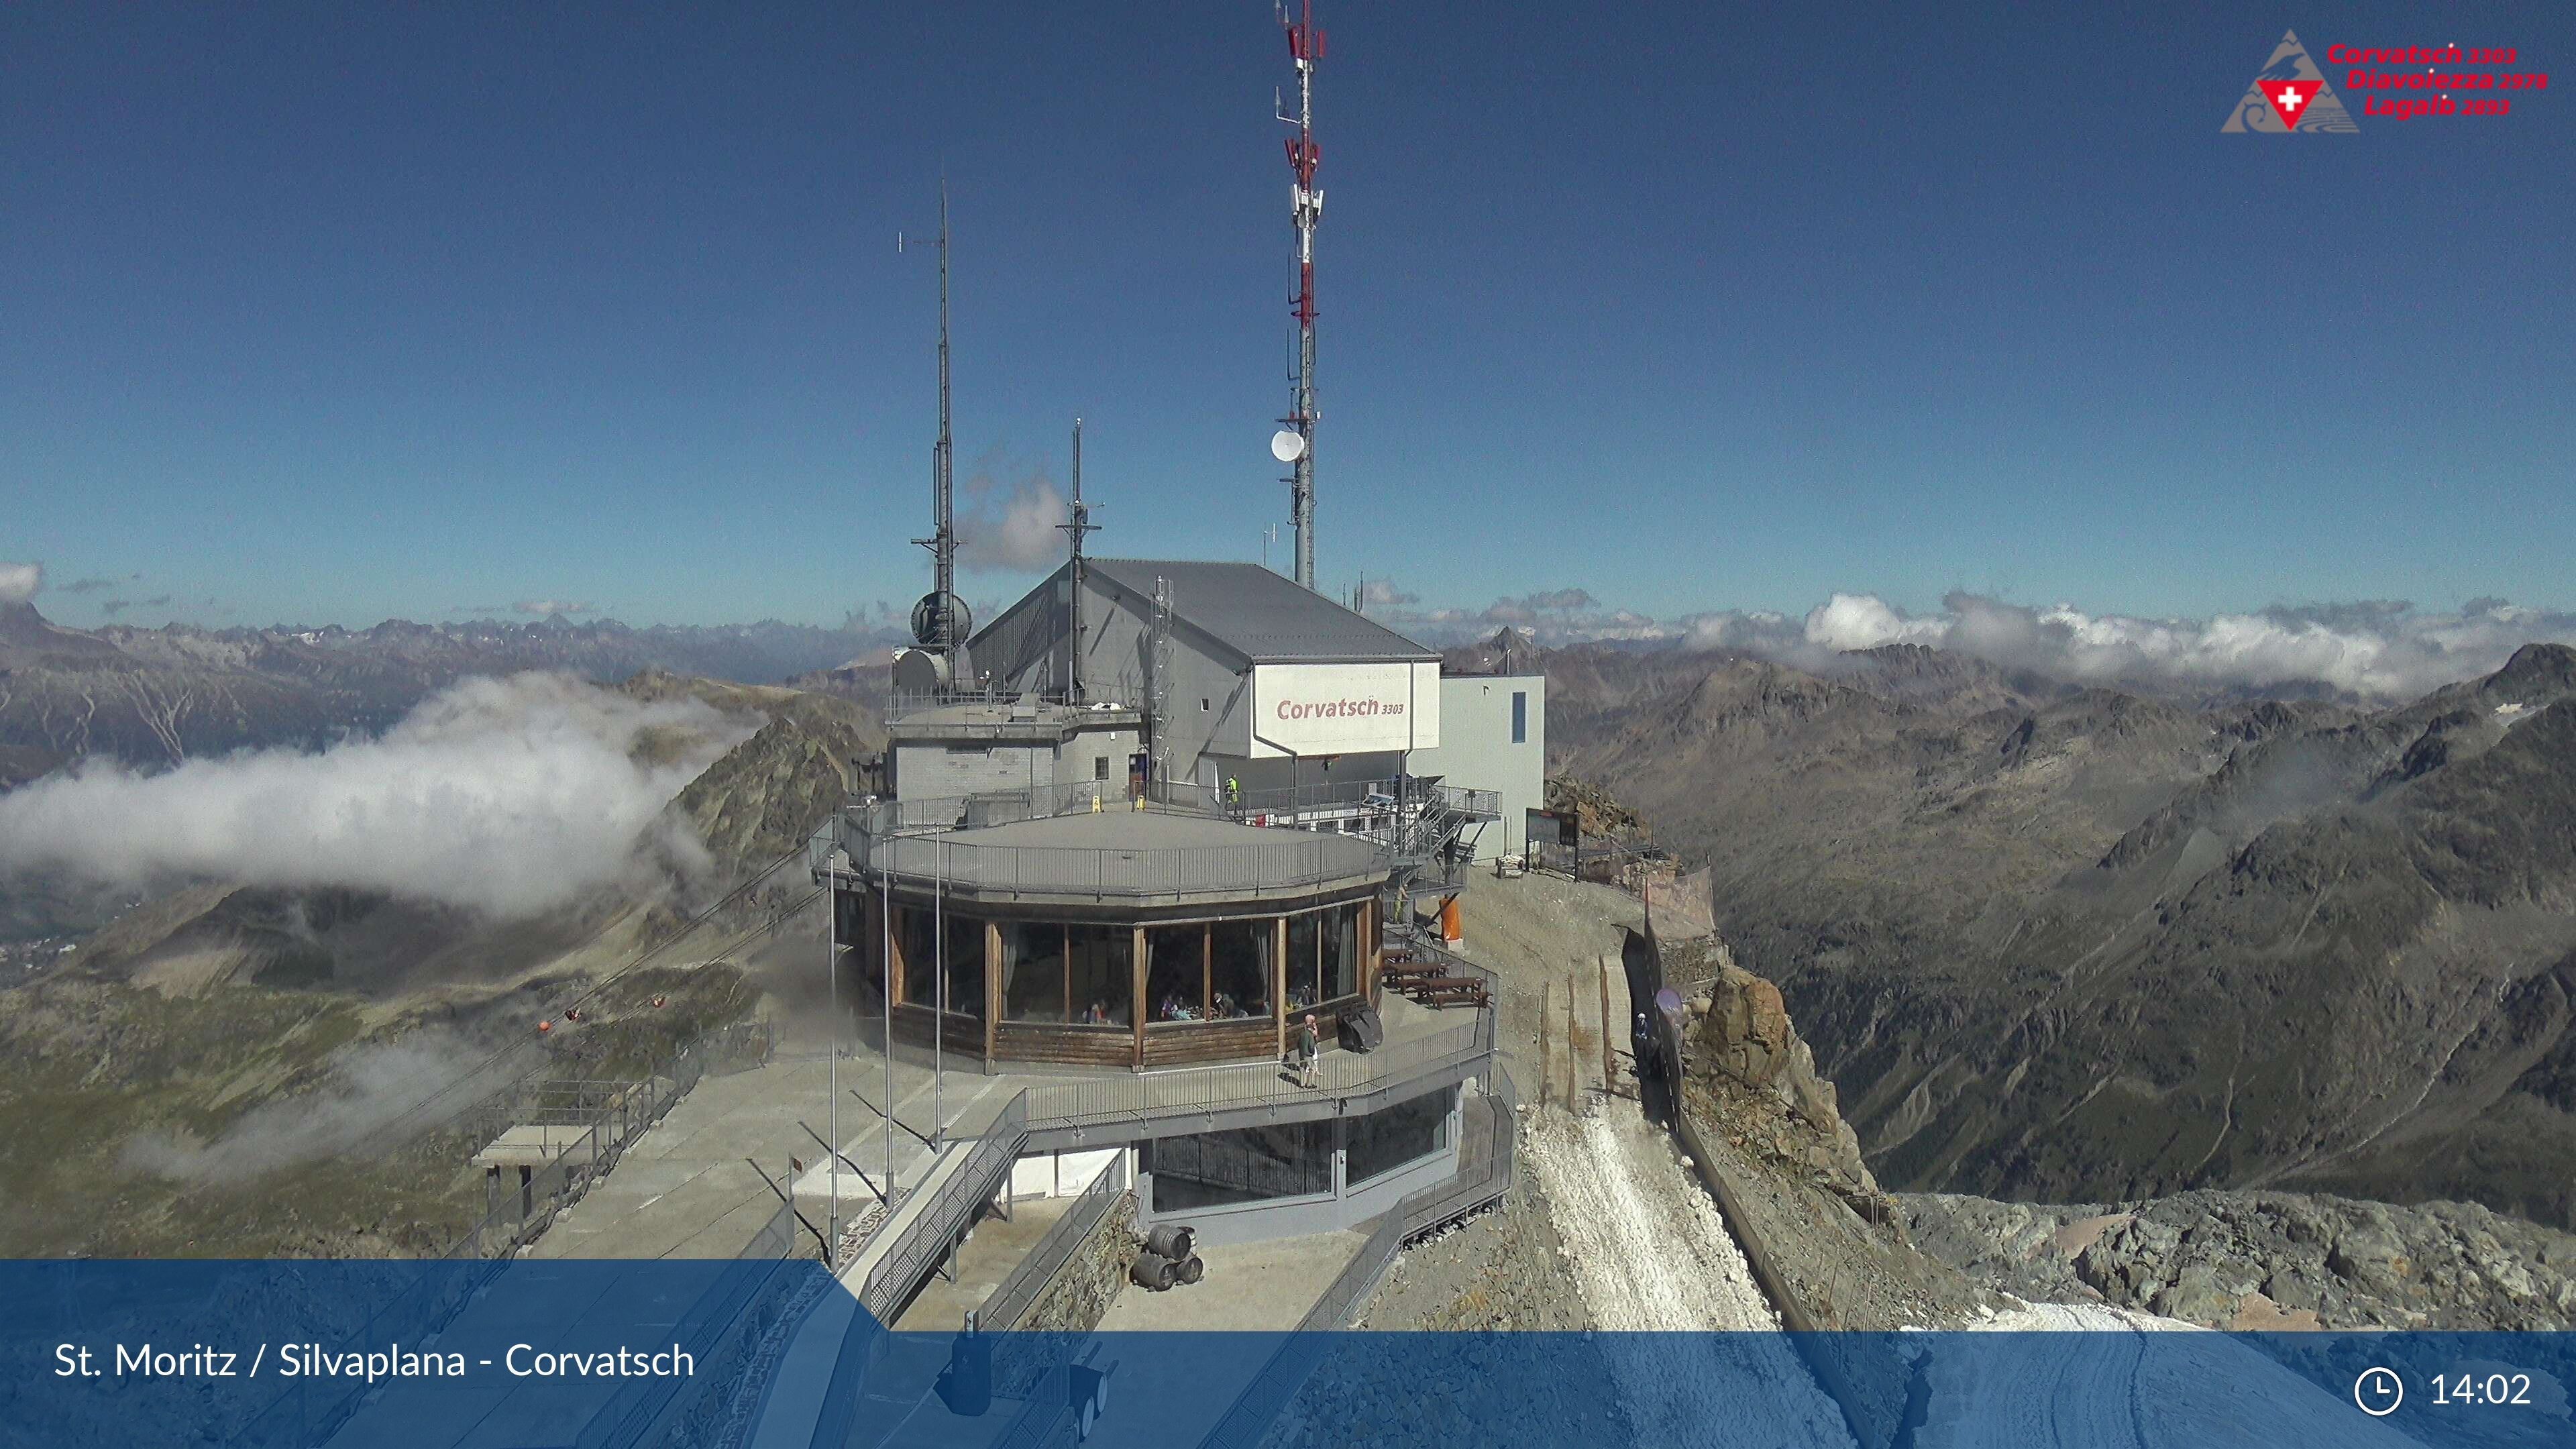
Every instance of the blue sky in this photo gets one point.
(337, 313)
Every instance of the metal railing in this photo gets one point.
(937, 1224)
(1247, 1421)
(1350, 1083)
(1100, 1102)
(1481, 1180)
(617, 1114)
(1012, 1299)
(1286, 864)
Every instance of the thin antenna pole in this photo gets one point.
(885, 995)
(945, 469)
(938, 994)
(1079, 525)
(1306, 208)
(832, 994)
(942, 631)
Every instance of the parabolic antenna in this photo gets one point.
(1287, 445)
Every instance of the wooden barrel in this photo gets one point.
(1193, 1269)
(1152, 1271)
(1170, 1241)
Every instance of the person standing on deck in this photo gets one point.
(1307, 1051)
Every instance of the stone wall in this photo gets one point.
(1080, 1294)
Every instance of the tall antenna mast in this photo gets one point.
(939, 622)
(1306, 207)
(1079, 525)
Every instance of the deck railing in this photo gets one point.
(1480, 1182)
(934, 1230)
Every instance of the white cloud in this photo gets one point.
(1012, 528)
(548, 608)
(2376, 649)
(20, 581)
(503, 796)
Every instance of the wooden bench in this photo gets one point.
(1446, 990)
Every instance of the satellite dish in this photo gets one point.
(1287, 446)
(940, 621)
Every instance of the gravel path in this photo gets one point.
(1648, 1247)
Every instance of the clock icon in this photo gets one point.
(2378, 1391)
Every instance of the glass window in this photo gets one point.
(1520, 717)
(1101, 959)
(1176, 973)
(1407, 1132)
(1250, 1165)
(1323, 956)
(1302, 939)
(1240, 966)
(919, 945)
(1033, 972)
(966, 965)
(1340, 943)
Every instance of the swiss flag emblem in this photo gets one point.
(2290, 99)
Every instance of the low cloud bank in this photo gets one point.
(370, 1086)
(19, 581)
(503, 796)
(2375, 649)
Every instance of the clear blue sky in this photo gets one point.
(334, 313)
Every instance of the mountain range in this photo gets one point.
(2064, 944)
(151, 697)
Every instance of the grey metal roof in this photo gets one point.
(1262, 615)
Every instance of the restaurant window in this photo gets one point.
(916, 937)
(1099, 961)
(1239, 967)
(1302, 944)
(1340, 944)
(1323, 956)
(1210, 1169)
(1520, 717)
(1405, 1133)
(966, 965)
(1033, 972)
(1176, 973)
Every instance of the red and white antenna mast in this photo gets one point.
(1306, 206)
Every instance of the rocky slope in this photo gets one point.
(206, 1020)
(2265, 1260)
(2076, 944)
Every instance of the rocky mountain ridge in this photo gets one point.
(151, 697)
(2080, 944)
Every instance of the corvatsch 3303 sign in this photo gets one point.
(1341, 709)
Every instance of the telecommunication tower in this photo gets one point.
(1296, 445)
(1077, 527)
(940, 622)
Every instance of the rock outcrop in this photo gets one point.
(2264, 1260)
(1746, 1041)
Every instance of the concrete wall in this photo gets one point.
(944, 771)
(1477, 753)
(941, 772)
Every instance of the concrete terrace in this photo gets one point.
(686, 1190)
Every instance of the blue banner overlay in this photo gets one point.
(722, 1353)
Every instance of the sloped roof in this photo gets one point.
(1264, 616)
